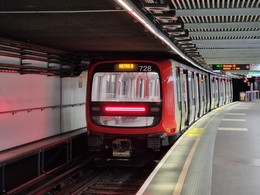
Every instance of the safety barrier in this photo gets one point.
(250, 95)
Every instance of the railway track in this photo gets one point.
(85, 177)
(114, 181)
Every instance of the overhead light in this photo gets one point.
(189, 45)
(163, 17)
(183, 42)
(176, 32)
(192, 52)
(156, 7)
(190, 49)
(133, 10)
(124, 5)
(171, 26)
(194, 55)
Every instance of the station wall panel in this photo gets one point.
(73, 92)
(25, 92)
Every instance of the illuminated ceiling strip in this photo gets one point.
(124, 109)
(131, 8)
(232, 129)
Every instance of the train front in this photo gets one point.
(124, 107)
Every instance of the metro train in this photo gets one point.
(135, 104)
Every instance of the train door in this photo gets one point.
(212, 91)
(193, 108)
(217, 92)
(220, 92)
(201, 94)
(227, 91)
(224, 83)
(178, 99)
(208, 95)
(197, 96)
(181, 96)
(230, 91)
(190, 93)
(204, 98)
(223, 91)
(186, 96)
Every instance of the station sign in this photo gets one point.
(253, 74)
(230, 66)
(255, 67)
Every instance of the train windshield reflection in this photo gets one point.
(126, 86)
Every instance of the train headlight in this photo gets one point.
(95, 108)
(155, 109)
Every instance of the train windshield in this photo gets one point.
(127, 88)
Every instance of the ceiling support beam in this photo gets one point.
(222, 25)
(226, 33)
(218, 12)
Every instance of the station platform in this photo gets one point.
(218, 155)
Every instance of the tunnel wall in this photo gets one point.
(62, 103)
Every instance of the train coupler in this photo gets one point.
(122, 148)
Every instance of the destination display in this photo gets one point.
(230, 66)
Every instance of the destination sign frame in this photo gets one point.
(230, 67)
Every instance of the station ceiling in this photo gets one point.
(206, 32)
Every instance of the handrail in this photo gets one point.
(13, 112)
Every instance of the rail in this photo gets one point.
(41, 108)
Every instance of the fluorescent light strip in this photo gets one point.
(124, 5)
(233, 119)
(130, 7)
(232, 129)
(124, 109)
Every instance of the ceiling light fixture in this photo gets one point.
(133, 10)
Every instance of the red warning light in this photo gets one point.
(124, 109)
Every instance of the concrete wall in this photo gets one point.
(73, 92)
(32, 91)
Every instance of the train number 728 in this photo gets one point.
(145, 68)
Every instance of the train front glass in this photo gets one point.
(126, 93)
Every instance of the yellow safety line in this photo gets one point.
(195, 131)
(180, 182)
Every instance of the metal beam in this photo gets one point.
(228, 55)
(218, 12)
(230, 51)
(221, 25)
(225, 45)
(229, 42)
(233, 61)
(226, 33)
